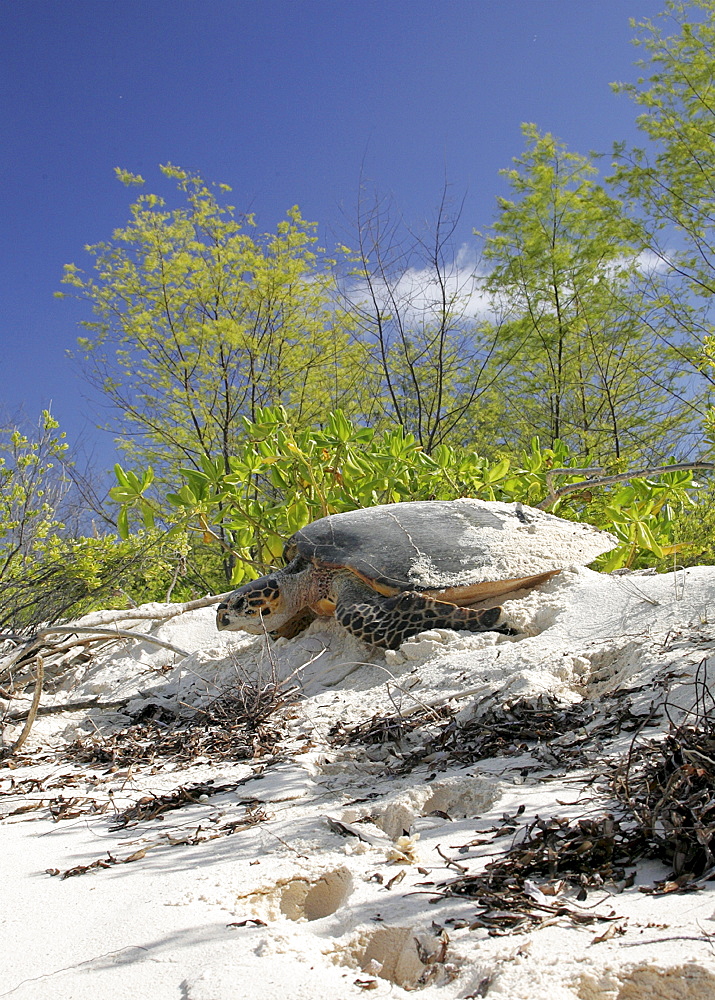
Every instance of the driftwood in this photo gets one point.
(154, 612)
(102, 625)
(109, 633)
(53, 646)
(30, 648)
(30, 652)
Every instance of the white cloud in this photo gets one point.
(653, 263)
(419, 294)
(416, 292)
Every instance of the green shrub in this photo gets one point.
(282, 479)
(32, 485)
(73, 576)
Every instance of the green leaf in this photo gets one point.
(645, 538)
(121, 476)
(123, 523)
(497, 472)
(147, 515)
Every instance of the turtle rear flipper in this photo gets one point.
(389, 621)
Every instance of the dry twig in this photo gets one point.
(39, 678)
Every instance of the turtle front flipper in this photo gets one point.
(295, 625)
(389, 621)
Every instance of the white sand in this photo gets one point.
(166, 925)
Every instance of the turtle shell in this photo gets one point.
(459, 550)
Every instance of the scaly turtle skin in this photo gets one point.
(389, 572)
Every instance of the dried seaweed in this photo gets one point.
(554, 732)
(668, 788)
(569, 858)
(550, 731)
(666, 793)
(254, 814)
(387, 728)
(229, 729)
(151, 743)
(151, 806)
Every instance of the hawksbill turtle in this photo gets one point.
(389, 572)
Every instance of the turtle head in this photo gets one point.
(256, 607)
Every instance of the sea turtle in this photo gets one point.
(389, 572)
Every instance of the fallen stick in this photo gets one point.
(36, 641)
(74, 706)
(40, 676)
(100, 618)
(109, 633)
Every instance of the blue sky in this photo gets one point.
(289, 102)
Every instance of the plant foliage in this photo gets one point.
(200, 320)
(283, 478)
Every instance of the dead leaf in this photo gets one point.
(137, 856)
(609, 933)
(395, 879)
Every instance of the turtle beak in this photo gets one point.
(222, 620)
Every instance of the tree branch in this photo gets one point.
(555, 495)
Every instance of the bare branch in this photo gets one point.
(555, 495)
(39, 678)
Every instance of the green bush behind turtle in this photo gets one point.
(50, 569)
(282, 478)
(71, 576)
(227, 521)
